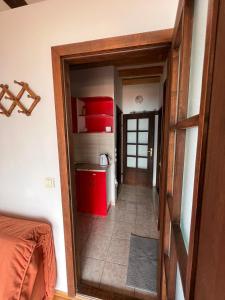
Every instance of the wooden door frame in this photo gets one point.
(159, 146)
(146, 114)
(119, 146)
(62, 56)
(210, 271)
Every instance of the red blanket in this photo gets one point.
(27, 260)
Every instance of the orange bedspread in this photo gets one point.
(27, 260)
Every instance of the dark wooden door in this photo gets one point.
(139, 148)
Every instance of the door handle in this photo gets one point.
(150, 152)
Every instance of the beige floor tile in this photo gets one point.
(83, 231)
(147, 220)
(144, 210)
(129, 207)
(104, 242)
(141, 190)
(84, 224)
(128, 188)
(123, 230)
(96, 246)
(102, 227)
(111, 213)
(120, 205)
(127, 196)
(114, 279)
(123, 216)
(118, 252)
(144, 200)
(91, 271)
(81, 242)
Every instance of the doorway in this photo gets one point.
(107, 232)
(152, 48)
(139, 129)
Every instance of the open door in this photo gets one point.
(138, 148)
(184, 140)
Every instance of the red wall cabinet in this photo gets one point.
(92, 114)
(91, 192)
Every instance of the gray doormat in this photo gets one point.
(143, 260)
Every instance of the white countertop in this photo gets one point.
(90, 167)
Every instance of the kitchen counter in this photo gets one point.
(90, 167)
(93, 188)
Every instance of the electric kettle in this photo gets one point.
(104, 159)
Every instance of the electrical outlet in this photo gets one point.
(50, 182)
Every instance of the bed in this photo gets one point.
(27, 260)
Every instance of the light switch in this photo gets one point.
(50, 182)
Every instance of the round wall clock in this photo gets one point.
(139, 99)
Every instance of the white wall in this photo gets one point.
(150, 93)
(152, 101)
(29, 144)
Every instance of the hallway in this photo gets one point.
(104, 243)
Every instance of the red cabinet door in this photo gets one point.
(91, 192)
(99, 197)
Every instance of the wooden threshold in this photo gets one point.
(62, 296)
(94, 292)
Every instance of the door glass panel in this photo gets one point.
(179, 288)
(142, 163)
(131, 137)
(143, 124)
(142, 150)
(132, 124)
(188, 182)
(143, 137)
(131, 162)
(197, 56)
(131, 149)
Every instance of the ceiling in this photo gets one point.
(9, 4)
(134, 67)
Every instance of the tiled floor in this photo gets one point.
(104, 242)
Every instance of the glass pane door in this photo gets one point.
(137, 143)
(131, 143)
